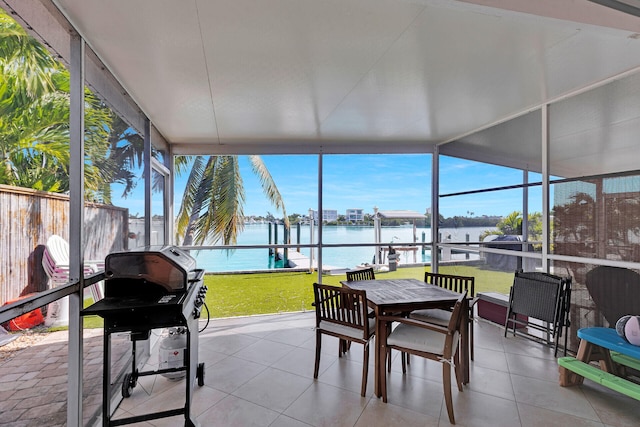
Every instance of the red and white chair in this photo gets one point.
(55, 261)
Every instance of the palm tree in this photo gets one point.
(512, 225)
(34, 117)
(124, 157)
(212, 204)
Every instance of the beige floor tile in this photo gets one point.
(415, 393)
(209, 356)
(323, 405)
(418, 367)
(612, 408)
(284, 421)
(300, 361)
(231, 344)
(488, 335)
(526, 347)
(292, 335)
(231, 373)
(534, 367)
(473, 409)
(204, 398)
(532, 416)
(235, 412)
(379, 414)
(492, 359)
(347, 374)
(548, 395)
(264, 352)
(273, 389)
(150, 388)
(489, 381)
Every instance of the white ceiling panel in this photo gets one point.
(336, 73)
(155, 50)
(597, 131)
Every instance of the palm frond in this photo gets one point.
(268, 185)
(188, 206)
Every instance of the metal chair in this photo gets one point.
(430, 341)
(342, 313)
(544, 297)
(441, 317)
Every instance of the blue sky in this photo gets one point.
(386, 181)
(364, 181)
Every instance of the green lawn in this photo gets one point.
(246, 294)
(266, 293)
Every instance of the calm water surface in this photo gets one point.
(258, 234)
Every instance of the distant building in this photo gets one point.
(328, 215)
(355, 215)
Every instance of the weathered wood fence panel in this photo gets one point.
(29, 217)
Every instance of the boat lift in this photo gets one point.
(393, 214)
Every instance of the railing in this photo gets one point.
(43, 298)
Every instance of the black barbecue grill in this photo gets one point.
(148, 288)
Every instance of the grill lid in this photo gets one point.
(167, 266)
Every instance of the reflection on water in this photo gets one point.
(348, 257)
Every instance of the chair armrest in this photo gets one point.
(414, 322)
(323, 300)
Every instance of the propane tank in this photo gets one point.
(172, 350)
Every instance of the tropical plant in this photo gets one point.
(212, 204)
(124, 157)
(34, 117)
(512, 225)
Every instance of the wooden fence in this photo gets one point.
(27, 219)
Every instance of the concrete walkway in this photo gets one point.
(33, 380)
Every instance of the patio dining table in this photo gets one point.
(406, 295)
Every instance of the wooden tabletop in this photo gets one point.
(402, 292)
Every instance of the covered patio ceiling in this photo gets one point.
(354, 76)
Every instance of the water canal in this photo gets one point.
(347, 257)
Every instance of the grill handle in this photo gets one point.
(195, 275)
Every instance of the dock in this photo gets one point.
(300, 261)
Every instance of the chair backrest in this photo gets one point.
(361, 274)
(615, 291)
(453, 328)
(538, 295)
(456, 314)
(58, 250)
(55, 261)
(453, 283)
(342, 306)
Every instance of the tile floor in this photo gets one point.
(259, 372)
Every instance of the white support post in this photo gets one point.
(148, 181)
(320, 216)
(525, 215)
(311, 232)
(377, 233)
(435, 206)
(76, 228)
(545, 188)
